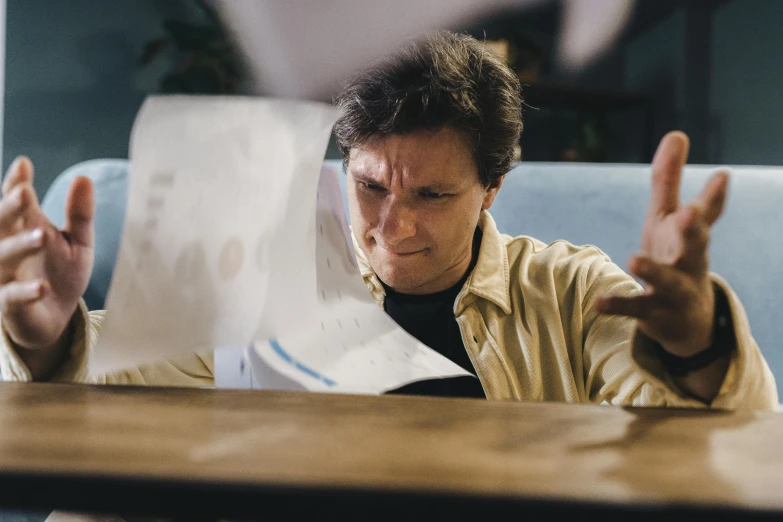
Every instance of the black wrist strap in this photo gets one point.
(722, 342)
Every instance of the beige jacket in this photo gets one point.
(527, 320)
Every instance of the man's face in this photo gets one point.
(415, 200)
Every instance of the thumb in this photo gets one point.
(79, 211)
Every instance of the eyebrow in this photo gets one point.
(362, 176)
(436, 187)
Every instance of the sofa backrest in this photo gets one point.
(601, 205)
(604, 205)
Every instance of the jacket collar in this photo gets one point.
(490, 278)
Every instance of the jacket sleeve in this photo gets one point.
(620, 365)
(191, 371)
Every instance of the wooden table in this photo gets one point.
(205, 454)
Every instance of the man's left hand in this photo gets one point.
(678, 306)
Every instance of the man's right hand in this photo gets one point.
(43, 271)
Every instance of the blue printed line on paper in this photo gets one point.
(299, 366)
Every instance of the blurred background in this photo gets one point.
(77, 72)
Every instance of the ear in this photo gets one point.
(491, 192)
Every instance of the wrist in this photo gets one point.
(704, 384)
(699, 331)
(721, 342)
(44, 362)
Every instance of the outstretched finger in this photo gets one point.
(712, 198)
(665, 280)
(12, 209)
(20, 172)
(15, 249)
(16, 294)
(637, 306)
(667, 167)
(79, 212)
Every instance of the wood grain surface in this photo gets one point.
(422, 446)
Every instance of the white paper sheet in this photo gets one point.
(233, 235)
(219, 238)
(353, 345)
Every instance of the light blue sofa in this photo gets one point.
(601, 205)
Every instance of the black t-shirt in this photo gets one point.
(430, 319)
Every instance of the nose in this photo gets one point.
(397, 222)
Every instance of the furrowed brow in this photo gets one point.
(361, 175)
(437, 188)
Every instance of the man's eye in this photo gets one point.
(371, 186)
(434, 195)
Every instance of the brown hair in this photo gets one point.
(445, 79)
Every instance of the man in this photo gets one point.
(427, 136)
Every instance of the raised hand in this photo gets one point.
(43, 271)
(677, 307)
